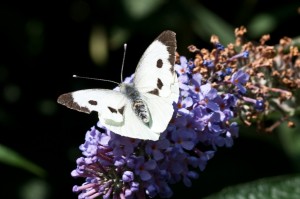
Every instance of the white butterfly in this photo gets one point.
(144, 108)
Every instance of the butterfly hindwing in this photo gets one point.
(132, 127)
(161, 111)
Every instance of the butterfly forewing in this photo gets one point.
(109, 104)
(155, 71)
(155, 78)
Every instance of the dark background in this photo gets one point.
(44, 43)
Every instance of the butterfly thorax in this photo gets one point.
(137, 103)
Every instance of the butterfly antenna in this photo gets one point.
(123, 61)
(105, 80)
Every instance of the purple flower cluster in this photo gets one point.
(122, 167)
(216, 87)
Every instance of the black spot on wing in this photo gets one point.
(154, 92)
(112, 110)
(68, 100)
(159, 84)
(168, 38)
(93, 102)
(159, 63)
(121, 110)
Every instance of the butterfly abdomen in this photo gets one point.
(141, 110)
(139, 107)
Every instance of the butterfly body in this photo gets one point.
(138, 105)
(141, 109)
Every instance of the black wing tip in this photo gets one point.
(167, 36)
(62, 99)
(168, 32)
(68, 101)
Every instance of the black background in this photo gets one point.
(44, 43)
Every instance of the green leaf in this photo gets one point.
(35, 189)
(271, 19)
(290, 140)
(261, 24)
(12, 158)
(205, 23)
(281, 187)
(139, 9)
